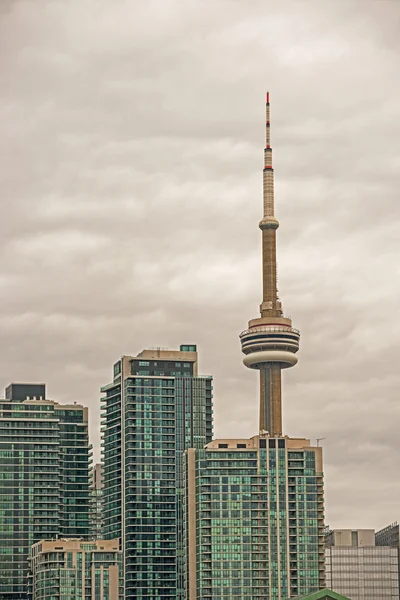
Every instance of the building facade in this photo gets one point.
(44, 478)
(254, 519)
(358, 569)
(97, 501)
(254, 509)
(388, 536)
(74, 569)
(155, 408)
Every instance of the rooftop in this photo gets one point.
(322, 595)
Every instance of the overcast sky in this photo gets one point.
(131, 154)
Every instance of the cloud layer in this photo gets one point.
(131, 157)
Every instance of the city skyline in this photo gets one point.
(99, 181)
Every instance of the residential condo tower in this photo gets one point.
(156, 407)
(44, 473)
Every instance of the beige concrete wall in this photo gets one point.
(114, 582)
(74, 544)
(343, 537)
(173, 355)
(232, 443)
(159, 353)
(251, 443)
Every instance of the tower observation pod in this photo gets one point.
(270, 343)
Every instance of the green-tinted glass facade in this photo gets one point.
(156, 407)
(75, 466)
(44, 476)
(75, 570)
(254, 520)
(97, 501)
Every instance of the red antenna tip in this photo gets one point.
(267, 98)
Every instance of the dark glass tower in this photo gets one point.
(155, 408)
(44, 478)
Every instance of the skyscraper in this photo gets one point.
(44, 475)
(155, 408)
(254, 510)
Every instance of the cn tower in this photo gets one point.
(270, 343)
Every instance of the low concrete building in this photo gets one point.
(74, 569)
(357, 568)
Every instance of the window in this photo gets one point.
(188, 348)
(263, 443)
(223, 446)
(244, 445)
(117, 368)
(144, 363)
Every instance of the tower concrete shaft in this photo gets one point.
(271, 399)
(270, 343)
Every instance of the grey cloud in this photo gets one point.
(131, 155)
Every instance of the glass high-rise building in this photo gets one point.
(156, 406)
(254, 516)
(388, 536)
(254, 509)
(44, 478)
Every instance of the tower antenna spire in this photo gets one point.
(270, 343)
(270, 305)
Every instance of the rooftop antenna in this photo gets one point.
(319, 440)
